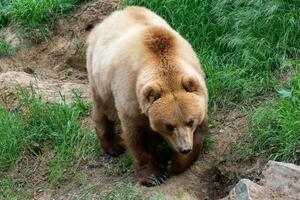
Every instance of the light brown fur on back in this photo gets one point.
(161, 43)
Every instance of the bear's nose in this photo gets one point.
(185, 150)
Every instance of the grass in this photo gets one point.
(3, 15)
(6, 48)
(128, 192)
(34, 17)
(35, 128)
(121, 167)
(275, 127)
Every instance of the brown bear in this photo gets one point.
(147, 76)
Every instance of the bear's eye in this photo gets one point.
(190, 123)
(170, 127)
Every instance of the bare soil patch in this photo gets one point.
(63, 55)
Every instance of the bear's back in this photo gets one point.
(126, 43)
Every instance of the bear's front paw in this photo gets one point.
(115, 150)
(154, 180)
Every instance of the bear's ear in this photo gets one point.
(190, 84)
(150, 93)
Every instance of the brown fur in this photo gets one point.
(146, 75)
(159, 41)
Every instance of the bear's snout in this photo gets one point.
(185, 150)
(185, 140)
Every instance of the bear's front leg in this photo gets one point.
(181, 162)
(138, 141)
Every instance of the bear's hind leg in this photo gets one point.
(110, 141)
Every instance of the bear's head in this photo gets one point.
(176, 114)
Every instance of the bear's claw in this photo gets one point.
(154, 180)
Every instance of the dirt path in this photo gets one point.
(202, 181)
(62, 59)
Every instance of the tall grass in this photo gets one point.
(3, 12)
(275, 127)
(242, 44)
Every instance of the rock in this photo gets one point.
(50, 90)
(284, 177)
(281, 182)
(248, 190)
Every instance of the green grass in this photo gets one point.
(129, 192)
(34, 17)
(11, 188)
(35, 127)
(3, 12)
(242, 44)
(6, 48)
(275, 127)
(121, 167)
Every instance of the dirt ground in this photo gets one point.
(62, 58)
(205, 179)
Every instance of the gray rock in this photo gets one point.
(248, 190)
(284, 177)
(281, 182)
